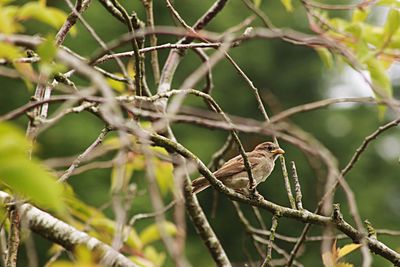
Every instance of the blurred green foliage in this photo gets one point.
(286, 75)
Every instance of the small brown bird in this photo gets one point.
(233, 173)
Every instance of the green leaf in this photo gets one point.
(5, 2)
(356, 29)
(164, 176)
(12, 140)
(392, 3)
(257, 3)
(151, 233)
(347, 249)
(34, 10)
(121, 175)
(363, 52)
(373, 35)
(9, 51)
(344, 264)
(52, 69)
(133, 240)
(360, 15)
(287, 4)
(325, 56)
(117, 85)
(141, 261)
(27, 72)
(8, 22)
(339, 23)
(154, 256)
(26, 177)
(47, 49)
(130, 68)
(379, 77)
(392, 23)
(381, 81)
(49, 15)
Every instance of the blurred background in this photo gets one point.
(287, 75)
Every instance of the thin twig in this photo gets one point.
(266, 118)
(292, 239)
(148, 4)
(79, 159)
(14, 237)
(297, 187)
(135, 46)
(141, 216)
(319, 104)
(274, 225)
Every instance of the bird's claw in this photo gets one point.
(255, 195)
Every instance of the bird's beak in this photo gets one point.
(278, 151)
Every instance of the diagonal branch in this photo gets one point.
(304, 215)
(65, 235)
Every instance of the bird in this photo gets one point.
(233, 173)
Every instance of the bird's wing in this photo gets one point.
(234, 166)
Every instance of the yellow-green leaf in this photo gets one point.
(32, 180)
(60, 17)
(325, 56)
(8, 23)
(151, 233)
(381, 82)
(5, 2)
(287, 4)
(257, 3)
(133, 240)
(12, 140)
(157, 258)
(164, 176)
(362, 50)
(9, 51)
(49, 15)
(62, 263)
(347, 249)
(117, 85)
(392, 23)
(27, 72)
(141, 261)
(37, 11)
(379, 76)
(343, 264)
(356, 29)
(47, 49)
(23, 176)
(121, 175)
(158, 149)
(82, 257)
(373, 34)
(130, 68)
(393, 3)
(360, 15)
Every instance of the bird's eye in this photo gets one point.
(269, 148)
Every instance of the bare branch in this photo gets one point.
(65, 235)
(79, 159)
(304, 215)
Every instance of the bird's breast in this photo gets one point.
(263, 170)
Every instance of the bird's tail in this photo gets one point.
(200, 184)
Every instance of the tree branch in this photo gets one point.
(65, 235)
